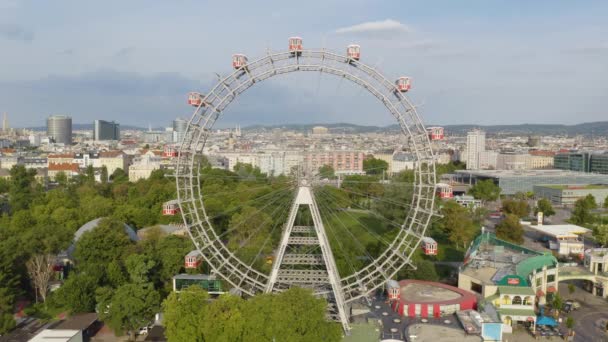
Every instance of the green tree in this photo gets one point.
(570, 324)
(571, 289)
(225, 320)
(294, 315)
(171, 251)
(90, 174)
(457, 224)
(326, 172)
(590, 201)
(22, 187)
(132, 307)
(104, 175)
(116, 274)
(510, 229)
(61, 178)
(606, 203)
(557, 303)
(77, 294)
(184, 313)
(97, 248)
(139, 267)
(119, 176)
(485, 190)
(7, 322)
(544, 206)
(519, 208)
(373, 166)
(581, 213)
(600, 234)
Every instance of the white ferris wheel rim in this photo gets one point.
(223, 261)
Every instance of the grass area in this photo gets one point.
(353, 235)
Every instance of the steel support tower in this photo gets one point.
(304, 257)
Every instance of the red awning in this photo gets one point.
(540, 293)
(530, 319)
(551, 289)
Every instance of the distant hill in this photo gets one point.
(599, 128)
(590, 128)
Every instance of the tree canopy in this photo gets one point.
(544, 206)
(510, 229)
(293, 315)
(485, 190)
(519, 208)
(373, 166)
(327, 172)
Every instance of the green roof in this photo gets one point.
(516, 312)
(527, 266)
(516, 290)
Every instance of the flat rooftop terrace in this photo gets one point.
(427, 293)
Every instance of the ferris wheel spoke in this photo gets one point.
(406, 206)
(376, 214)
(332, 233)
(249, 201)
(279, 209)
(284, 211)
(369, 230)
(237, 191)
(346, 229)
(284, 194)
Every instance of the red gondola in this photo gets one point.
(295, 44)
(239, 61)
(170, 208)
(403, 84)
(195, 99)
(353, 51)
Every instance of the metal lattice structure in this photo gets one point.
(191, 199)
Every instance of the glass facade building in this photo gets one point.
(105, 130)
(514, 181)
(582, 162)
(206, 282)
(59, 129)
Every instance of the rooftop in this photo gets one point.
(528, 173)
(55, 335)
(516, 290)
(77, 322)
(490, 259)
(560, 230)
(575, 186)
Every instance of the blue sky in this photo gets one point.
(484, 62)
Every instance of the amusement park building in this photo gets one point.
(417, 298)
(491, 262)
(511, 277)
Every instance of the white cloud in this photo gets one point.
(382, 26)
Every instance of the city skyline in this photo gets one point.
(551, 73)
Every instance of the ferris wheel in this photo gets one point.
(307, 240)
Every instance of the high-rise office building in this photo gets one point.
(179, 129)
(59, 129)
(105, 130)
(476, 142)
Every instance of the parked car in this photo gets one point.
(571, 305)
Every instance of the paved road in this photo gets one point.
(590, 318)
